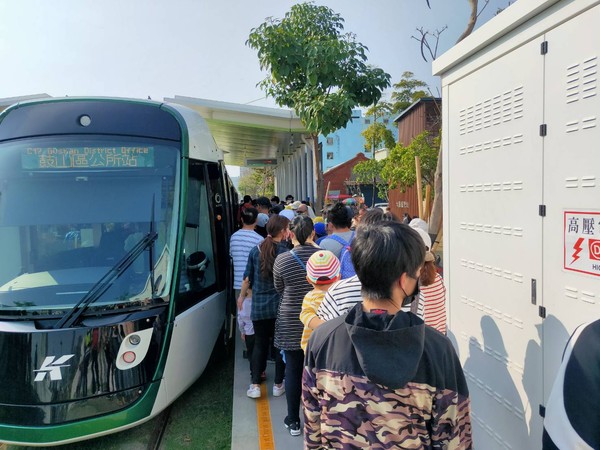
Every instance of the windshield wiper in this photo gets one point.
(151, 249)
(106, 281)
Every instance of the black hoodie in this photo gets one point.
(383, 381)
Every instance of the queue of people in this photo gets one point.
(357, 315)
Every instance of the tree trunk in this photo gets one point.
(472, 20)
(436, 212)
(373, 196)
(318, 201)
(419, 186)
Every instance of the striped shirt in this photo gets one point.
(434, 299)
(289, 277)
(241, 243)
(341, 298)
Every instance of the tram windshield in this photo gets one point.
(71, 208)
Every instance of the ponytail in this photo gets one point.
(428, 273)
(268, 248)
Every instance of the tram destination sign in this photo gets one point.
(57, 158)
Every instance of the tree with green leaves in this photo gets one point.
(259, 182)
(407, 91)
(369, 172)
(377, 135)
(317, 70)
(399, 168)
(379, 109)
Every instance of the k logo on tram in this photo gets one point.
(52, 367)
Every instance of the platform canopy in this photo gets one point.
(250, 136)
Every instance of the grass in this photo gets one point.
(201, 417)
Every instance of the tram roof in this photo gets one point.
(8, 101)
(248, 135)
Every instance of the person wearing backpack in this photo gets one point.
(344, 294)
(339, 218)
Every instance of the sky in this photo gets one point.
(195, 48)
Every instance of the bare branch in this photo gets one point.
(487, 2)
(424, 44)
(428, 5)
(424, 41)
(437, 39)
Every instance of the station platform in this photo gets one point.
(258, 423)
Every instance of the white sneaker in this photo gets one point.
(253, 391)
(278, 391)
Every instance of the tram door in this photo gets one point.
(222, 232)
(219, 221)
(198, 276)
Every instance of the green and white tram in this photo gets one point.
(115, 278)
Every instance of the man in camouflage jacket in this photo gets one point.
(378, 377)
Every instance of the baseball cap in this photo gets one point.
(323, 267)
(424, 236)
(262, 219)
(320, 229)
(419, 223)
(288, 213)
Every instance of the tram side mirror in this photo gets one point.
(197, 263)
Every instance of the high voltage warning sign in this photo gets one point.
(582, 242)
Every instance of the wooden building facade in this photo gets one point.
(423, 115)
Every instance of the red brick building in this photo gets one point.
(336, 177)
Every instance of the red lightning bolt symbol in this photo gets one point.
(578, 249)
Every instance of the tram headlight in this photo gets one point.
(133, 349)
(129, 357)
(85, 120)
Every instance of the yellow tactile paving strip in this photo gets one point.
(263, 416)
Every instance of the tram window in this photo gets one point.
(63, 230)
(198, 272)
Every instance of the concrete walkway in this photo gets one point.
(245, 426)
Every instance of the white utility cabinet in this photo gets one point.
(521, 162)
